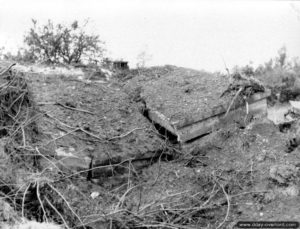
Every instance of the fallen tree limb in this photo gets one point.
(7, 69)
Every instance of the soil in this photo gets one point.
(116, 170)
(92, 120)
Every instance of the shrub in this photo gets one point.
(68, 44)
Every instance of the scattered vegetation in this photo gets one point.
(208, 192)
(280, 74)
(59, 43)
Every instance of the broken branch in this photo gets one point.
(234, 98)
(7, 69)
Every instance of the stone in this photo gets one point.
(283, 174)
(295, 106)
(290, 191)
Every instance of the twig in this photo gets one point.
(93, 135)
(159, 168)
(124, 135)
(67, 107)
(228, 205)
(16, 194)
(55, 139)
(226, 68)
(246, 193)
(24, 137)
(75, 109)
(55, 209)
(7, 69)
(212, 194)
(23, 200)
(39, 153)
(247, 112)
(96, 167)
(101, 138)
(69, 206)
(40, 201)
(21, 95)
(122, 199)
(251, 168)
(232, 101)
(192, 210)
(165, 225)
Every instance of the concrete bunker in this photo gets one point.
(190, 103)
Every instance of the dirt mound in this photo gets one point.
(96, 124)
(82, 154)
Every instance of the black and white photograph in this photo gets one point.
(159, 114)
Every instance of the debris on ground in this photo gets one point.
(85, 154)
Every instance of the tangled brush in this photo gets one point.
(32, 191)
(16, 105)
(244, 87)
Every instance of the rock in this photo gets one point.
(94, 195)
(283, 174)
(290, 191)
(295, 106)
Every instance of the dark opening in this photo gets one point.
(284, 127)
(163, 132)
(292, 145)
(196, 138)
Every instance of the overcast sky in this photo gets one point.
(193, 33)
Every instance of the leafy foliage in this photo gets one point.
(280, 74)
(63, 43)
(142, 58)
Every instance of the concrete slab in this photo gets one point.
(239, 115)
(191, 103)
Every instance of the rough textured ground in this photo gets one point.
(186, 96)
(230, 175)
(95, 121)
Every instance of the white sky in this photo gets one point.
(188, 33)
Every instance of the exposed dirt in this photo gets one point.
(115, 170)
(92, 120)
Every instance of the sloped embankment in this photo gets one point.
(88, 125)
(80, 164)
(61, 136)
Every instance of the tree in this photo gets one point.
(142, 58)
(282, 57)
(63, 43)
